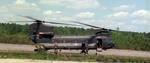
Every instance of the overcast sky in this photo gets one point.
(128, 15)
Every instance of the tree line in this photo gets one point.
(16, 33)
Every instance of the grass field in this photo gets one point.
(71, 57)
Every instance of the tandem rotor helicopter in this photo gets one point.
(44, 38)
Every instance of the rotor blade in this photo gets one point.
(87, 24)
(93, 26)
(61, 23)
(36, 20)
(20, 21)
(29, 17)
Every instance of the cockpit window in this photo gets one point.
(45, 35)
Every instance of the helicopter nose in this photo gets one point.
(109, 46)
(112, 45)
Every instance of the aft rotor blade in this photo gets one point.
(87, 24)
(93, 26)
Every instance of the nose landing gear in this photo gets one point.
(39, 48)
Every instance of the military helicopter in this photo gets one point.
(44, 38)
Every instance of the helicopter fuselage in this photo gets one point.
(46, 38)
(76, 42)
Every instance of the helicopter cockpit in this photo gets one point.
(46, 35)
(42, 37)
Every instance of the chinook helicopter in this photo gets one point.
(45, 39)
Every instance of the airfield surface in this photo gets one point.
(115, 52)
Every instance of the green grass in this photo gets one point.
(71, 57)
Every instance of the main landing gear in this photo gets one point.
(40, 48)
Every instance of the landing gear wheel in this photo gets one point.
(98, 50)
(40, 48)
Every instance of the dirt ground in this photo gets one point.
(116, 52)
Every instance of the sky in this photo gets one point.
(128, 15)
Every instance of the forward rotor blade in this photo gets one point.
(87, 24)
(20, 21)
(61, 23)
(36, 20)
(29, 17)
